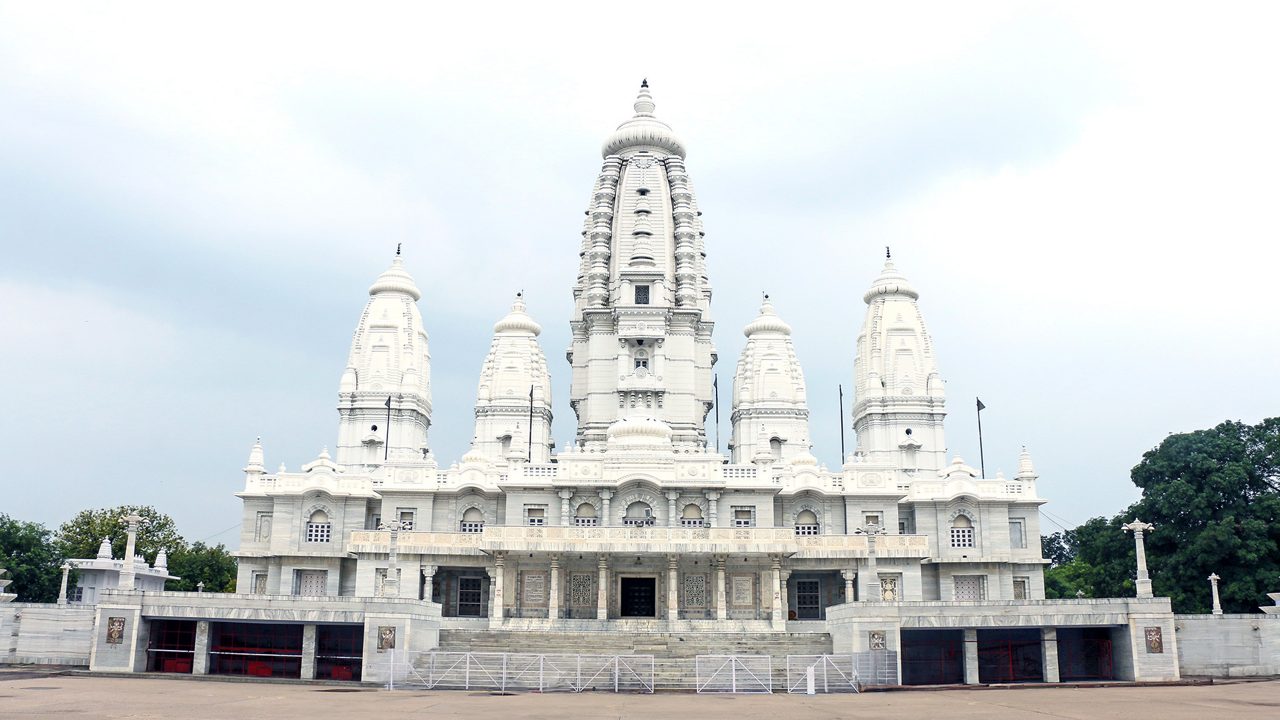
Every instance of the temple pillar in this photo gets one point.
(672, 497)
(566, 512)
(786, 603)
(673, 589)
(712, 497)
(605, 495)
(428, 582)
(721, 609)
(779, 620)
(553, 599)
(499, 597)
(970, 656)
(200, 659)
(602, 589)
(308, 652)
(848, 576)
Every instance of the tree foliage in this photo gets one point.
(28, 552)
(210, 564)
(80, 536)
(1214, 497)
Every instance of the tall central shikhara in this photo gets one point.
(641, 324)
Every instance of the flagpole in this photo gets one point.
(982, 458)
(841, 387)
(715, 385)
(530, 424)
(386, 448)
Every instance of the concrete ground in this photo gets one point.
(29, 695)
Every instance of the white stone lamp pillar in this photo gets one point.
(391, 585)
(849, 576)
(428, 581)
(499, 597)
(128, 576)
(1138, 528)
(1213, 585)
(62, 590)
(779, 619)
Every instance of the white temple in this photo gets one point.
(638, 518)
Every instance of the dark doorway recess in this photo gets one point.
(639, 597)
(932, 657)
(1010, 656)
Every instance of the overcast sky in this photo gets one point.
(193, 205)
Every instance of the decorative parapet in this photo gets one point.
(293, 483)
(520, 538)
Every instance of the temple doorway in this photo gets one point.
(638, 597)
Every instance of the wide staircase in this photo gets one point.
(674, 653)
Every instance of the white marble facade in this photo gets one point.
(638, 518)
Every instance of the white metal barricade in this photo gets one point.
(734, 673)
(830, 673)
(529, 672)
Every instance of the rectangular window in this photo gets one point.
(1017, 534)
(584, 521)
(471, 526)
(313, 583)
(318, 532)
(961, 537)
(259, 583)
(808, 529)
(1020, 585)
(535, 515)
(642, 294)
(871, 519)
(744, 516)
(407, 518)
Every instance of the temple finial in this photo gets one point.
(397, 249)
(887, 254)
(644, 83)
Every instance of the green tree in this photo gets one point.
(1214, 497)
(80, 536)
(210, 564)
(28, 552)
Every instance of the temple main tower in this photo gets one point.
(641, 323)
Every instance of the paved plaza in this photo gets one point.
(41, 695)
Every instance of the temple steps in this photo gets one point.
(674, 653)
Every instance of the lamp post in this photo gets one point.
(871, 585)
(128, 576)
(1213, 585)
(1138, 528)
(62, 590)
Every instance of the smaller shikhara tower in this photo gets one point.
(384, 397)
(641, 321)
(901, 401)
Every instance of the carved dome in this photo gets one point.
(396, 279)
(517, 322)
(644, 131)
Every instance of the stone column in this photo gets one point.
(553, 598)
(848, 576)
(1049, 652)
(428, 582)
(602, 588)
(604, 506)
(712, 497)
(673, 589)
(308, 652)
(128, 576)
(1138, 528)
(566, 512)
(721, 604)
(786, 603)
(1213, 585)
(970, 656)
(66, 570)
(499, 597)
(779, 620)
(871, 585)
(672, 519)
(391, 585)
(200, 661)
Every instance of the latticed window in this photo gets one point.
(962, 532)
(472, 521)
(642, 294)
(807, 523)
(1020, 588)
(319, 529)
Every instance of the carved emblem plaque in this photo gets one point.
(1155, 639)
(386, 637)
(115, 630)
